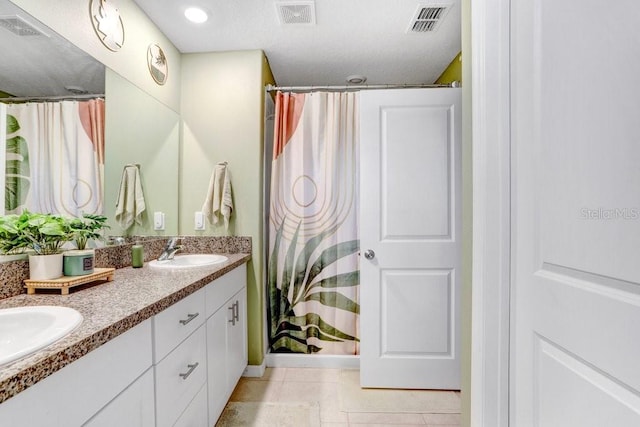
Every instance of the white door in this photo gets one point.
(410, 222)
(575, 336)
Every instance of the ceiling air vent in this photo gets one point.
(296, 12)
(19, 26)
(428, 18)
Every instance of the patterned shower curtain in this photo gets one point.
(313, 270)
(55, 157)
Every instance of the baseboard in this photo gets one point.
(255, 371)
(284, 360)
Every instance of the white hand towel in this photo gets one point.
(219, 197)
(227, 199)
(130, 204)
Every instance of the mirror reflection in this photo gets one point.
(141, 131)
(75, 127)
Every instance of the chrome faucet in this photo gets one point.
(170, 249)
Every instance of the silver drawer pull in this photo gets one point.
(233, 315)
(237, 311)
(190, 371)
(189, 318)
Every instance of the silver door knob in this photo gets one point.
(369, 254)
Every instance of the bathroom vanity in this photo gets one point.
(156, 348)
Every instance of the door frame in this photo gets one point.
(491, 269)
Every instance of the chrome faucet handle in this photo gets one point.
(171, 243)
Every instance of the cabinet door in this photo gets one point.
(134, 407)
(74, 394)
(237, 338)
(224, 288)
(217, 362)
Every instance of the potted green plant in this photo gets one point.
(44, 234)
(80, 261)
(13, 245)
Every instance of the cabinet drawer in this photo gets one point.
(173, 325)
(223, 288)
(179, 376)
(196, 413)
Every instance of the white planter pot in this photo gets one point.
(14, 257)
(45, 267)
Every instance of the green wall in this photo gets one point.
(222, 110)
(453, 72)
(140, 129)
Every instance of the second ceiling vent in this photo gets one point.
(19, 26)
(296, 12)
(428, 18)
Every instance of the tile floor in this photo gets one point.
(331, 398)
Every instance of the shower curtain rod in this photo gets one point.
(271, 88)
(51, 98)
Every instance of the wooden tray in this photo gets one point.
(66, 282)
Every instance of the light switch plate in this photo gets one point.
(158, 220)
(199, 220)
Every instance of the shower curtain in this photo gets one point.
(55, 157)
(313, 267)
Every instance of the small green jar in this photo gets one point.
(137, 255)
(78, 263)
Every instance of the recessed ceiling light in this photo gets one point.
(195, 14)
(356, 79)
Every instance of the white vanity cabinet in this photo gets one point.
(200, 352)
(180, 361)
(226, 301)
(176, 369)
(110, 375)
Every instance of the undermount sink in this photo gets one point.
(182, 262)
(24, 330)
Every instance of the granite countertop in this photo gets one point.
(109, 309)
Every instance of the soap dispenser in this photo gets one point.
(137, 255)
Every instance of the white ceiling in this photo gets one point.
(367, 37)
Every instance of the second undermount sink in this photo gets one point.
(182, 262)
(24, 330)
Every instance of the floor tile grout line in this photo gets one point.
(296, 376)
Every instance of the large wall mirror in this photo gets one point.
(138, 129)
